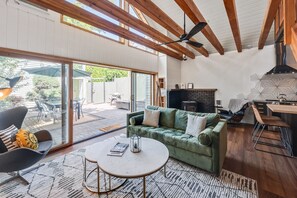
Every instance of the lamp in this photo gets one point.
(4, 92)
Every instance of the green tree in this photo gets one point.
(100, 74)
(45, 87)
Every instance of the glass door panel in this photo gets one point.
(43, 89)
(141, 91)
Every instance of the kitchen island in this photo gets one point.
(289, 115)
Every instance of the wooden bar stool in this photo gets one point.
(275, 122)
(264, 118)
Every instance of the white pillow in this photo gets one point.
(5, 136)
(195, 125)
(151, 118)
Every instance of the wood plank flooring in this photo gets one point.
(276, 175)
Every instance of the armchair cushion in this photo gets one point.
(6, 137)
(26, 139)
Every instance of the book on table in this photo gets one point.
(118, 149)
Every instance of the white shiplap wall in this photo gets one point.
(25, 28)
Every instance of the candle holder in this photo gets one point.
(135, 144)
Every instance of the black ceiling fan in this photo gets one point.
(186, 37)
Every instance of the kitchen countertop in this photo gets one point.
(290, 109)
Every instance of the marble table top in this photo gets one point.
(152, 157)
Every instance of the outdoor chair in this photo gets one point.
(14, 161)
(44, 111)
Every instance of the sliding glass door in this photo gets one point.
(142, 86)
(44, 89)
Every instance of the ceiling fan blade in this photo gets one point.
(197, 28)
(195, 44)
(166, 43)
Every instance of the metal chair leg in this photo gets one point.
(255, 126)
(256, 131)
(19, 175)
(263, 126)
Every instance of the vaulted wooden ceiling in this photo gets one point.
(232, 24)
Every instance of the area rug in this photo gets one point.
(63, 177)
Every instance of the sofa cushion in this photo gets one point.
(181, 119)
(178, 139)
(167, 117)
(151, 117)
(140, 130)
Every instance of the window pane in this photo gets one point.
(91, 28)
(136, 45)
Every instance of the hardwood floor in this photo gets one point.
(276, 175)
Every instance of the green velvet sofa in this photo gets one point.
(206, 152)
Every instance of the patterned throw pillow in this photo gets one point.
(26, 139)
(5, 136)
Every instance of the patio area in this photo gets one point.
(96, 119)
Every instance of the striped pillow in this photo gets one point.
(5, 136)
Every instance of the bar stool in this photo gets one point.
(264, 118)
(284, 137)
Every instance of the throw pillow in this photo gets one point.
(195, 125)
(151, 118)
(204, 139)
(26, 139)
(5, 136)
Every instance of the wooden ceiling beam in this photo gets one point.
(155, 13)
(113, 11)
(233, 20)
(66, 8)
(192, 11)
(268, 20)
(289, 20)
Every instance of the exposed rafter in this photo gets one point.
(289, 19)
(156, 14)
(66, 8)
(113, 11)
(192, 11)
(233, 20)
(268, 20)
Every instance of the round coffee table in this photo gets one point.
(153, 157)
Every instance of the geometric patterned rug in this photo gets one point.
(63, 177)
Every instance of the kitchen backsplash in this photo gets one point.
(270, 86)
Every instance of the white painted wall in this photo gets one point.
(173, 72)
(230, 74)
(29, 29)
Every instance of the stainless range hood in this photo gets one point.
(281, 61)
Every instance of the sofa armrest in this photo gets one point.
(130, 115)
(219, 145)
(136, 120)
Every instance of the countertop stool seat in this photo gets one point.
(274, 121)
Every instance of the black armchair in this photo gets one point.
(21, 158)
(236, 110)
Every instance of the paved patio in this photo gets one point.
(97, 119)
